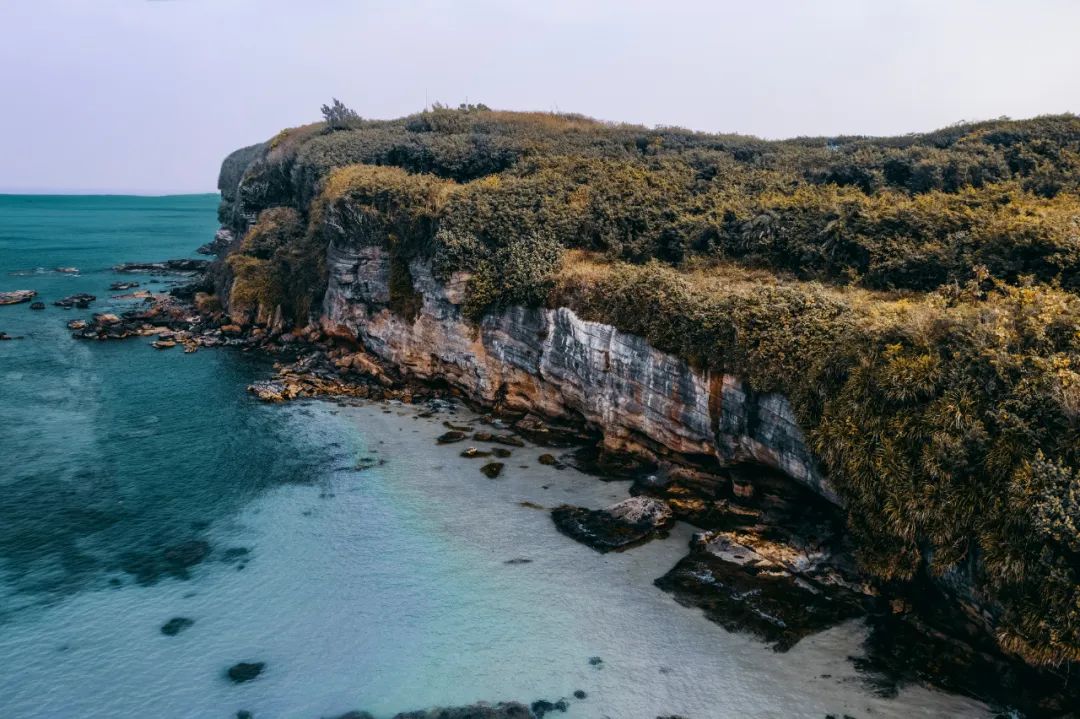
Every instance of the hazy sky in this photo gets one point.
(131, 95)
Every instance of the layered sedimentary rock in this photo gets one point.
(550, 361)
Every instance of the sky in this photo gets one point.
(148, 96)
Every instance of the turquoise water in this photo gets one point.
(386, 589)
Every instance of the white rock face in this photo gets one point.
(554, 363)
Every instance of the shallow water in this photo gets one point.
(384, 589)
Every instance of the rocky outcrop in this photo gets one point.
(554, 363)
(620, 526)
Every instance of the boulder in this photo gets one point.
(16, 296)
(176, 625)
(81, 300)
(245, 671)
(37, 305)
(620, 526)
(492, 469)
(450, 436)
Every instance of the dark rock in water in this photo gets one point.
(182, 266)
(541, 707)
(355, 715)
(620, 526)
(473, 452)
(457, 427)
(518, 560)
(245, 671)
(492, 469)
(37, 305)
(67, 270)
(501, 452)
(451, 436)
(547, 459)
(77, 325)
(233, 554)
(503, 710)
(244, 714)
(187, 554)
(5, 336)
(595, 661)
(176, 625)
(579, 694)
(16, 296)
(81, 300)
(120, 286)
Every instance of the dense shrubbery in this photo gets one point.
(946, 412)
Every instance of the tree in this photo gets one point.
(340, 117)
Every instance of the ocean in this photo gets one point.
(412, 583)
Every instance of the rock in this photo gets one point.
(176, 625)
(473, 452)
(181, 266)
(4, 336)
(579, 694)
(222, 239)
(746, 581)
(187, 554)
(81, 300)
(503, 710)
(501, 452)
(163, 344)
(245, 671)
(541, 707)
(16, 296)
(449, 437)
(231, 329)
(482, 436)
(518, 560)
(457, 427)
(507, 439)
(547, 459)
(68, 270)
(244, 714)
(354, 715)
(595, 661)
(37, 305)
(77, 324)
(492, 469)
(628, 523)
(120, 286)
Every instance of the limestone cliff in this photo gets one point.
(551, 362)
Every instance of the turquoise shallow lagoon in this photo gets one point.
(386, 589)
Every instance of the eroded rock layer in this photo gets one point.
(550, 361)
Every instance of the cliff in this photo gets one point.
(891, 324)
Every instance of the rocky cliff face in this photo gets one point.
(554, 363)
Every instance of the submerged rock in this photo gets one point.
(14, 297)
(492, 469)
(473, 452)
(176, 625)
(245, 671)
(501, 452)
(37, 305)
(81, 300)
(120, 286)
(482, 710)
(187, 554)
(542, 707)
(630, 522)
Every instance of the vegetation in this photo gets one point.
(917, 298)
